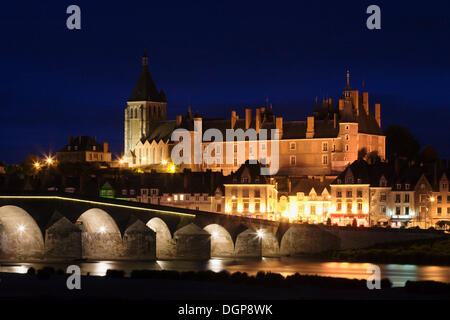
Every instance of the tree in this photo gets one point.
(428, 155)
(400, 143)
(362, 153)
(373, 157)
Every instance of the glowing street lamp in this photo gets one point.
(260, 234)
(172, 168)
(164, 162)
(49, 161)
(37, 165)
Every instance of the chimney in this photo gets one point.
(366, 102)
(257, 120)
(310, 128)
(105, 146)
(279, 125)
(179, 119)
(377, 114)
(95, 138)
(233, 119)
(335, 120)
(248, 118)
(70, 140)
(341, 104)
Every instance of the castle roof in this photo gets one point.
(83, 143)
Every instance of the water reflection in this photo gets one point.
(397, 273)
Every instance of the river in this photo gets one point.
(397, 273)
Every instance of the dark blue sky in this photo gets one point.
(216, 55)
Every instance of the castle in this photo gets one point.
(324, 144)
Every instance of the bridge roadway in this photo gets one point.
(66, 227)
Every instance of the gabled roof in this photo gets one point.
(160, 130)
(306, 185)
(145, 89)
(83, 143)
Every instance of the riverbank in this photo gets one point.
(418, 252)
(170, 285)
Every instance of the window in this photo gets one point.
(293, 160)
(382, 209)
(423, 198)
(347, 137)
(349, 194)
(205, 198)
(448, 199)
(292, 146)
(439, 199)
(257, 193)
(339, 206)
(197, 198)
(325, 160)
(406, 197)
(132, 192)
(407, 186)
(359, 194)
(219, 208)
(448, 210)
(439, 211)
(94, 148)
(399, 186)
(349, 180)
(444, 187)
(324, 146)
(383, 197)
(397, 198)
(245, 193)
(181, 197)
(359, 206)
(175, 198)
(346, 147)
(339, 194)
(334, 147)
(347, 128)
(406, 211)
(397, 211)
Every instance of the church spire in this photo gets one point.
(145, 59)
(348, 80)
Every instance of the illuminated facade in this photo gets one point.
(324, 144)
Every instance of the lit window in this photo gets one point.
(325, 160)
(324, 146)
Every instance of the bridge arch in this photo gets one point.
(269, 244)
(221, 242)
(20, 236)
(101, 237)
(165, 247)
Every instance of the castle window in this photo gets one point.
(407, 186)
(324, 146)
(444, 187)
(347, 137)
(382, 209)
(349, 194)
(439, 199)
(135, 113)
(406, 211)
(399, 186)
(406, 198)
(293, 160)
(397, 198)
(339, 194)
(346, 147)
(325, 160)
(347, 128)
(257, 193)
(292, 146)
(359, 194)
(439, 211)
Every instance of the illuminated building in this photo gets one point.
(324, 144)
(84, 149)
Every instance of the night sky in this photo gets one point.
(216, 55)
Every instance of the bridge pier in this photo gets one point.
(139, 242)
(248, 244)
(192, 243)
(63, 241)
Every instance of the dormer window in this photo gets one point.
(407, 186)
(399, 186)
(94, 148)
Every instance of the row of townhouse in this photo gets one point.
(363, 194)
(377, 194)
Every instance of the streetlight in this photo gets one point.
(37, 165)
(49, 161)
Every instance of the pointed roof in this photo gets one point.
(145, 89)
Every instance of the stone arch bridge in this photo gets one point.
(65, 227)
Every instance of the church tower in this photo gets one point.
(145, 106)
